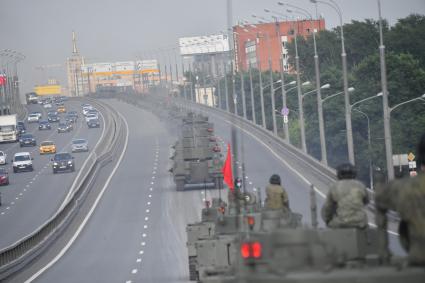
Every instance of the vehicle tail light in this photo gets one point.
(257, 249)
(251, 250)
(245, 250)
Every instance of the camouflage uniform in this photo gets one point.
(276, 197)
(407, 197)
(344, 206)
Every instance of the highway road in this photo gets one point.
(32, 197)
(137, 232)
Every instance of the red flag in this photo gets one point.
(3, 80)
(227, 169)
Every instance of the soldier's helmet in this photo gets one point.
(346, 171)
(275, 179)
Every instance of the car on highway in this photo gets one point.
(3, 157)
(86, 109)
(22, 161)
(33, 117)
(63, 161)
(44, 125)
(93, 123)
(79, 145)
(64, 127)
(27, 140)
(47, 147)
(70, 118)
(4, 177)
(73, 113)
(20, 127)
(61, 109)
(91, 117)
(48, 105)
(53, 118)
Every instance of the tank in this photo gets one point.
(197, 160)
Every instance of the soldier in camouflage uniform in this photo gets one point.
(276, 196)
(407, 197)
(344, 206)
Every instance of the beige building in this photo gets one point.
(73, 65)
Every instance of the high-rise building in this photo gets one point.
(257, 45)
(73, 65)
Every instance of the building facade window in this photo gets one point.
(251, 54)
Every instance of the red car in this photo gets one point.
(4, 177)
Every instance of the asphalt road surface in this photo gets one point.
(32, 197)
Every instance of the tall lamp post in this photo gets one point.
(386, 111)
(348, 125)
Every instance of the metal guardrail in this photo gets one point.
(17, 255)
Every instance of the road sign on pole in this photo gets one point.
(285, 119)
(411, 156)
(284, 111)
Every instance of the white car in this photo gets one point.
(33, 117)
(91, 117)
(3, 158)
(86, 109)
(22, 161)
(47, 105)
(79, 145)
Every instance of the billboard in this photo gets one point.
(124, 67)
(47, 89)
(204, 44)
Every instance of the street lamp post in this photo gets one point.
(251, 88)
(386, 111)
(369, 146)
(348, 124)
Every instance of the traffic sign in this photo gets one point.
(285, 119)
(411, 156)
(284, 111)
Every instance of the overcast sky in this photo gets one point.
(119, 30)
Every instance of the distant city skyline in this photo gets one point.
(108, 30)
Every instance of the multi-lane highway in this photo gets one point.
(137, 231)
(32, 197)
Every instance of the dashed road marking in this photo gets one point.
(134, 271)
(141, 252)
(146, 218)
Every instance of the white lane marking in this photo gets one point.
(20, 194)
(141, 252)
(143, 243)
(146, 218)
(82, 225)
(134, 271)
(150, 189)
(152, 183)
(8, 207)
(149, 203)
(128, 281)
(145, 226)
(147, 210)
(150, 196)
(139, 260)
(144, 235)
(12, 203)
(2, 213)
(71, 189)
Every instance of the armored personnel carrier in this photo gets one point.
(213, 243)
(197, 160)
